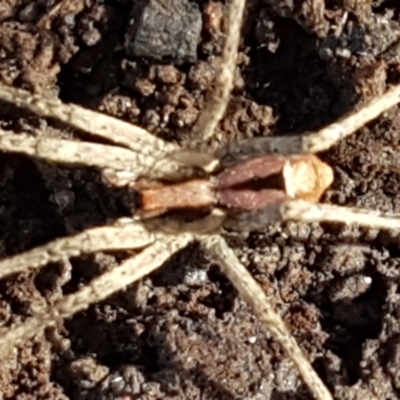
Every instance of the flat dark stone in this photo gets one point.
(165, 30)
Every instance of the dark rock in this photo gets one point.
(165, 30)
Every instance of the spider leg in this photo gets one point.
(306, 211)
(91, 122)
(255, 296)
(102, 156)
(141, 152)
(100, 288)
(315, 212)
(223, 85)
(325, 138)
(312, 142)
(125, 234)
(74, 152)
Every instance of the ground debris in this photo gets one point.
(165, 30)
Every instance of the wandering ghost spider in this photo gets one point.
(224, 189)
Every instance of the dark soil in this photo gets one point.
(183, 333)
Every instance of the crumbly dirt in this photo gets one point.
(183, 332)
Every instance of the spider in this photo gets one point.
(154, 238)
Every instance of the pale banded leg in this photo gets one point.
(313, 142)
(92, 122)
(305, 211)
(255, 296)
(99, 289)
(125, 234)
(218, 99)
(142, 153)
(314, 212)
(94, 155)
(75, 152)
